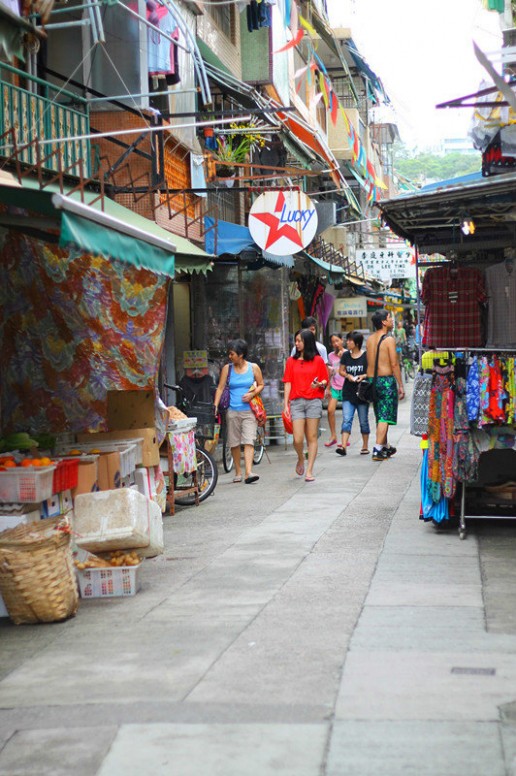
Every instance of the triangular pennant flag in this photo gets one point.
(293, 43)
(308, 27)
(334, 107)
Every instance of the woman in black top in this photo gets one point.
(353, 368)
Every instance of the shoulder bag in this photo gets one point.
(366, 388)
(224, 398)
(257, 406)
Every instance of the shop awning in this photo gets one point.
(433, 219)
(224, 238)
(114, 232)
(334, 271)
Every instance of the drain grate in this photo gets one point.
(473, 671)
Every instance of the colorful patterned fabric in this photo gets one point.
(386, 401)
(473, 390)
(72, 327)
(453, 297)
(465, 454)
(184, 455)
(440, 435)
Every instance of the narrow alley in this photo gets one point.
(290, 628)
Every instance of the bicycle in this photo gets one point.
(259, 446)
(207, 471)
(407, 363)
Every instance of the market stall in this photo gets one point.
(77, 328)
(465, 394)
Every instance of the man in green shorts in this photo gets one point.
(389, 386)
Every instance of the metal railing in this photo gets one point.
(31, 115)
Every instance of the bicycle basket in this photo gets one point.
(206, 420)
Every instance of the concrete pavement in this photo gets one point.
(290, 628)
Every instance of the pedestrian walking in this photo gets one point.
(310, 323)
(306, 379)
(388, 384)
(245, 382)
(353, 369)
(334, 389)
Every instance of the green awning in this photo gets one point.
(91, 237)
(115, 232)
(332, 269)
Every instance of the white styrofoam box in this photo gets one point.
(12, 515)
(121, 519)
(145, 481)
(156, 540)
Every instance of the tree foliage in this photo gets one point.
(423, 167)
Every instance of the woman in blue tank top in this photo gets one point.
(245, 381)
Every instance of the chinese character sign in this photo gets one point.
(394, 261)
(350, 307)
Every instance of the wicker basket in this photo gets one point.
(37, 578)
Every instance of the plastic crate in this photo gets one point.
(128, 453)
(27, 484)
(66, 475)
(109, 583)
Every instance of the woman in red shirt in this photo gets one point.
(305, 378)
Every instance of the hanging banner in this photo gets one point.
(396, 260)
(283, 223)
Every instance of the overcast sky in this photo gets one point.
(423, 53)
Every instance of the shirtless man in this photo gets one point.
(389, 386)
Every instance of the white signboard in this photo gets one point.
(350, 307)
(283, 222)
(394, 261)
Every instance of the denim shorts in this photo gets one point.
(305, 408)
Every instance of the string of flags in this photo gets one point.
(317, 76)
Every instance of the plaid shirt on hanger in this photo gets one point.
(453, 298)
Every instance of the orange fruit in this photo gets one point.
(10, 464)
(26, 462)
(45, 462)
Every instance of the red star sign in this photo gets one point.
(275, 230)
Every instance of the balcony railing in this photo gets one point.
(39, 116)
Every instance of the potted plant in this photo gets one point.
(236, 148)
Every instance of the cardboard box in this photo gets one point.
(149, 436)
(109, 471)
(88, 477)
(130, 410)
(51, 507)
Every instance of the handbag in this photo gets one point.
(287, 421)
(258, 409)
(224, 397)
(366, 388)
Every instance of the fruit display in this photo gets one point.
(114, 559)
(11, 462)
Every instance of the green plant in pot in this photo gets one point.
(236, 148)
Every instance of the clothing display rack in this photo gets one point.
(499, 496)
(451, 466)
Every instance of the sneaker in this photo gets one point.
(380, 455)
(390, 450)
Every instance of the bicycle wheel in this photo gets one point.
(259, 446)
(227, 458)
(207, 476)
